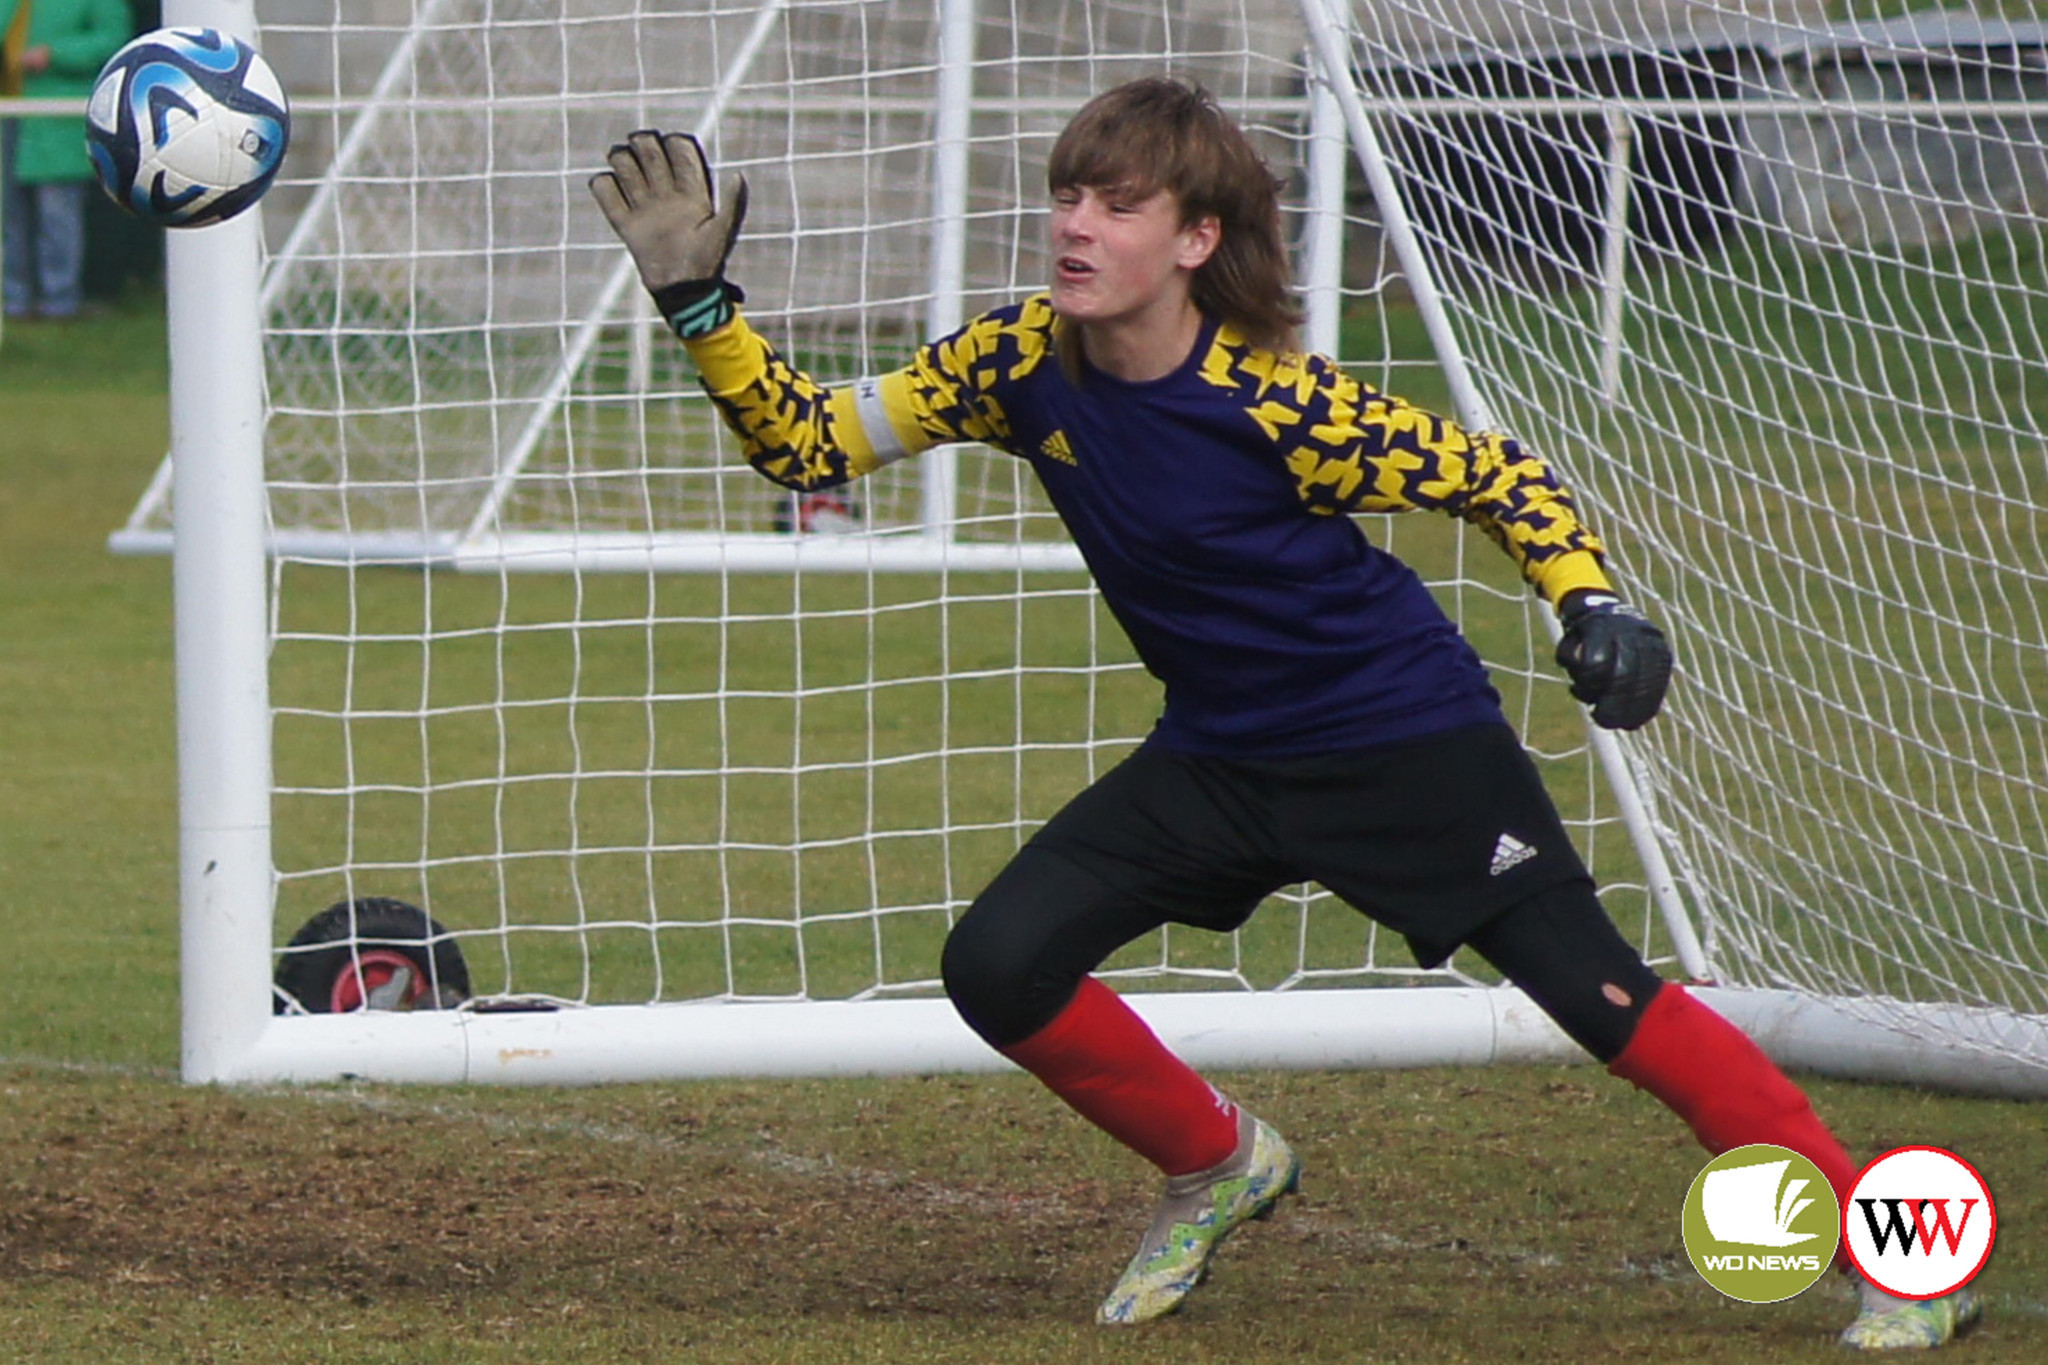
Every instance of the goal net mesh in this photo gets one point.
(1765, 280)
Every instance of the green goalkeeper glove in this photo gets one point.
(657, 196)
(1620, 664)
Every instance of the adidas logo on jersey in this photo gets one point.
(1056, 448)
(1510, 853)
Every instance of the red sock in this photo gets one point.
(1718, 1081)
(1102, 1059)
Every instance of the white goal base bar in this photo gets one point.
(913, 551)
(1977, 1051)
(910, 551)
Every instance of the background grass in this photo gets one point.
(87, 744)
(1524, 1214)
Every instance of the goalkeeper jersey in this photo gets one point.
(1211, 506)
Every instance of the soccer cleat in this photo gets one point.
(1198, 1211)
(1913, 1326)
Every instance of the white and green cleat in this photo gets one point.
(1198, 1211)
(1913, 1326)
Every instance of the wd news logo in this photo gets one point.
(1920, 1222)
(1761, 1223)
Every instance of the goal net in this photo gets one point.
(670, 755)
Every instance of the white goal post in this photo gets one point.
(478, 609)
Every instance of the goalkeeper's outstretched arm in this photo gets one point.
(658, 197)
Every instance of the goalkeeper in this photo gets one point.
(1324, 719)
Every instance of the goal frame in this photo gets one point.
(227, 883)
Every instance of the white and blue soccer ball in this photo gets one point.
(187, 126)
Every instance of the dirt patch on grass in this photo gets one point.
(1460, 1212)
(642, 1198)
(947, 1198)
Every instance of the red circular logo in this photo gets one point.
(1919, 1222)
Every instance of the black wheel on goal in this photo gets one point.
(371, 953)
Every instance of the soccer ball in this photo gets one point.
(186, 126)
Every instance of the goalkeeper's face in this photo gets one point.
(1124, 259)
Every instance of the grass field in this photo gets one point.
(1512, 1214)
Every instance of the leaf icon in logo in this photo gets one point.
(1746, 1204)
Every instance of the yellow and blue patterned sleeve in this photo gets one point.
(806, 435)
(1353, 449)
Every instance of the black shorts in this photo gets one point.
(1431, 837)
(1447, 840)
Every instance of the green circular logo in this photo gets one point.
(1761, 1223)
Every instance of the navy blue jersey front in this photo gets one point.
(1211, 506)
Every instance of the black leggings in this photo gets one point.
(1564, 952)
(1016, 958)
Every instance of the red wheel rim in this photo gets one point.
(369, 970)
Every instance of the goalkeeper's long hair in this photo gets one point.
(1163, 133)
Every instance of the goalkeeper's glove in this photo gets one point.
(1620, 664)
(657, 196)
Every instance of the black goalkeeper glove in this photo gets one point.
(1620, 664)
(657, 196)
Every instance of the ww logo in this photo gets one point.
(1920, 1222)
(1881, 1234)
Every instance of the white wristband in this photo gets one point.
(874, 421)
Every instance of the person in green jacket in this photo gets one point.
(53, 50)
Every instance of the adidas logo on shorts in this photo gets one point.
(1510, 853)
